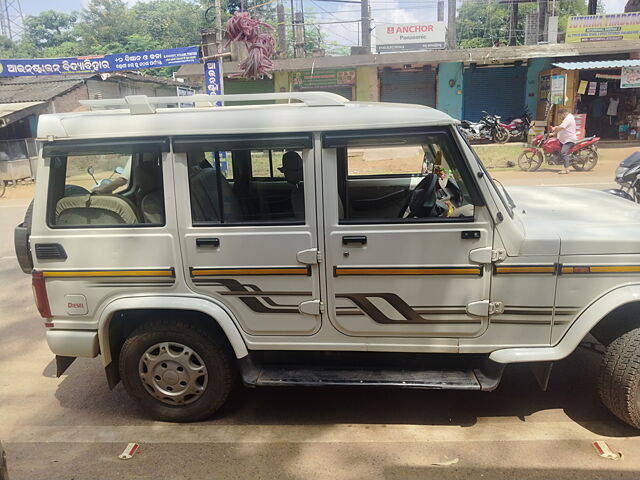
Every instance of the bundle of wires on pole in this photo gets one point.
(260, 44)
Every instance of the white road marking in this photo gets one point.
(571, 184)
(342, 433)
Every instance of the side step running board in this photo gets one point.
(275, 375)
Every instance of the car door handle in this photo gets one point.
(351, 239)
(207, 242)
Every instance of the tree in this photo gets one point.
(49, 29)
(485, 24)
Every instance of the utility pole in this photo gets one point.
(298, 35)
(11, 19)
(441, 10)
(543, 13)
(593, 7)
(452, 41)
(366, 26)
(513, 23)
(282, 32)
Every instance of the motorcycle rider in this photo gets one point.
(566, 134)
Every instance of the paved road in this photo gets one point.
(74, 427)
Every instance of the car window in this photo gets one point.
(402, 179)
(105, 186)
(264, 182)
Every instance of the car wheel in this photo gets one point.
(619, 383)
(177, 371)
(530, 161)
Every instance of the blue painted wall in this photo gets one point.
(536, 65)
(448, 98)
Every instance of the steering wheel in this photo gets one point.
(422, 199)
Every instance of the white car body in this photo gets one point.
(538, 278)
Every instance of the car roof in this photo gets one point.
(321, 113)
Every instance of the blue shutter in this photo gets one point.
(499, 91)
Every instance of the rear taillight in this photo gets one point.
(40, 294)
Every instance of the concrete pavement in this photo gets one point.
(74, 427)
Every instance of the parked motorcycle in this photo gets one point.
(488, 128)
(584, 154)
(518, 128)
(628, 177)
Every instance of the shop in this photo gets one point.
(606, 94)
(409, 84)
(341, 81)
(499, 90)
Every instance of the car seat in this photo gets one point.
(95, 209)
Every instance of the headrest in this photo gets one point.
(292, 167)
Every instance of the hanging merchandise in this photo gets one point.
(592, 88)
(612, 109)
(603, 89)
(242, 28)
(582, 88)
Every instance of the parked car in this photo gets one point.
(315, 242)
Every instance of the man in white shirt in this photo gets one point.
(566, 134)
(122, 180)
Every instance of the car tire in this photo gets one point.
(619, 383)
(163, 355)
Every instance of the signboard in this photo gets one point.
(99, 63)
(185, 92)
(213, 78)
(630, 77)
(324, 78)
(557, 89)
(409, 36)
(596, 28)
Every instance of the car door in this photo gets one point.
(396, 266)
(256, 257)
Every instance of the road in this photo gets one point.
(75, 428)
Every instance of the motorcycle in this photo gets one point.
(584, 154)
(488, 128)
(518, 128)
(628, 177)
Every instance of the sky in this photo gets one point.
(389, 11)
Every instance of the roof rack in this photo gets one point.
(141, 104)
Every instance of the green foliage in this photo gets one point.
(484, 24)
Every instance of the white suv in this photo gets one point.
(315, 241)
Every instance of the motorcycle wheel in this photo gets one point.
(530, 161)
(585, 160)
(501, 135)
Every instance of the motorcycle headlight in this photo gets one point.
(620, 171)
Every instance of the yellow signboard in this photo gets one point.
(597, 28)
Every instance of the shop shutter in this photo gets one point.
(237, 86)
(499, 91)
(409, 87)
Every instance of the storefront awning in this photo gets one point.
(597, 65)
(10, 112)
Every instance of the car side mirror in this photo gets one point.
(90, 170)
(119, 170)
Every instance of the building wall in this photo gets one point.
(281, 81)
(367, 84)
(70, 101)
(449, 99)
(536, 65)
(99, 89)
